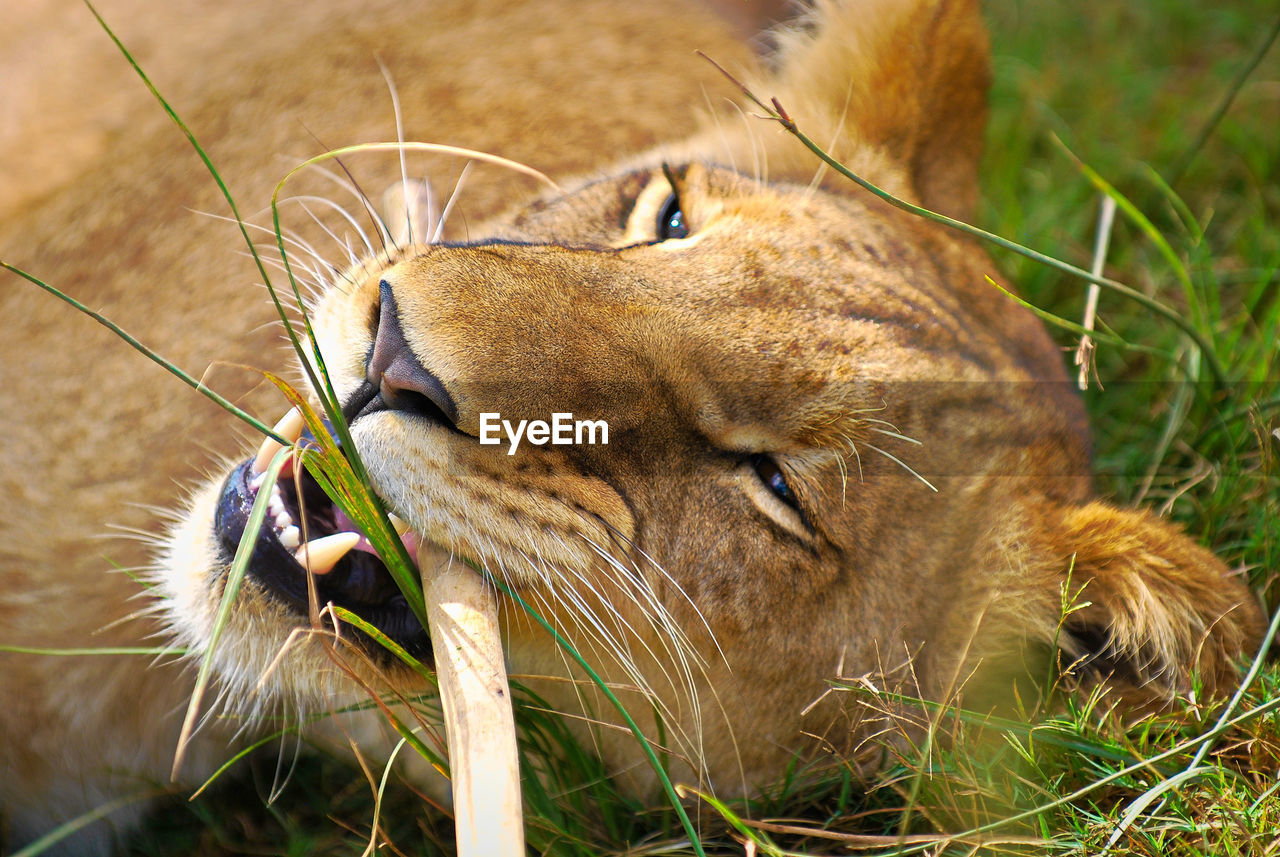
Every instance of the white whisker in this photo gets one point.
(657, 614)
(667, 634)
(324, 227)
(896, 435)
(724, 139)
(287, 237)
(678, 652)
(761, 176)
(821, 171)
(903, 465)
(404, 170)
(384, 234)
(676, 587)
(364, 236)
(453, 197)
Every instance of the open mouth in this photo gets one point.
(299, 509)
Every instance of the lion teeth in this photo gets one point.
(275, 506)
(399, 524)
(319, 556)
(266, 452)
(290, 537)
(289, 427)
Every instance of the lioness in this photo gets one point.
(832, 446)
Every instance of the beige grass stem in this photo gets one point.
(462, 610)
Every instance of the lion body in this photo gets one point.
(939, 458)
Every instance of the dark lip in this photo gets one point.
(359, 582)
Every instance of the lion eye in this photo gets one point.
(772, 477)
(671, 220)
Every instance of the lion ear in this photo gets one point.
(891, 82)
(1130, 599)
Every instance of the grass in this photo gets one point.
(1125, 88)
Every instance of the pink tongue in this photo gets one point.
(345, 524)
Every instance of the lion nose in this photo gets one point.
(401, 380)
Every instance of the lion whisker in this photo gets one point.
(896, 435)
(282, 777)
(448, 206)
(380, 225)
(335, 270)
(311, 281)
(724, 138)
(679, 650)
(603, 643)
(761, 175)
(673, 583)
(583, 615)
(628, 633)
(348, 216)
(677, 658)
(878, 421)
(639, 589)
(569, 667)
(903, 465)
(289, 237)
(404, 170)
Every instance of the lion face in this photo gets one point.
(825, 442)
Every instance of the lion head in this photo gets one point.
(825, 441)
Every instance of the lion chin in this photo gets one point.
(817, 442)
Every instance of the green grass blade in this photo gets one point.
(244, 753)
(231, 588)
(191, 138)
(1149, 763)
(1145, 799)
(366, 509)
(331, 469)
(386, 642)
(1075, 327)
(1041, 732)
(759, 839)
(1145, 226)
(333, 464)
(1189, 221)
(1255, 666)
(291, 729)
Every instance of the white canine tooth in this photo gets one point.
(262, 460)
(319, 556)
(290, 537)
(399, 524)
(290, 427)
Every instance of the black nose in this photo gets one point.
(397, 375)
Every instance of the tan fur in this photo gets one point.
(800, 319)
